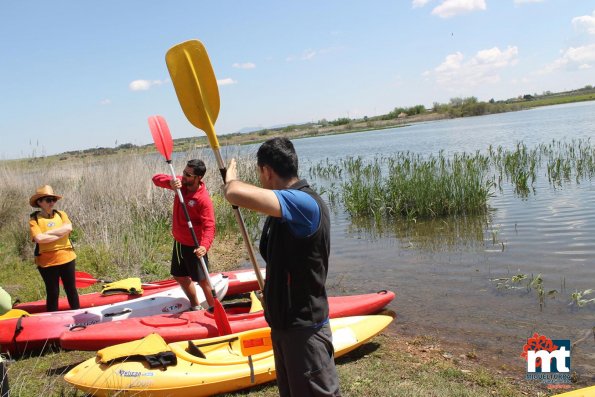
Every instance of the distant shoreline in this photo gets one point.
(458, 107)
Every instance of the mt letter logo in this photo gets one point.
(544, 355)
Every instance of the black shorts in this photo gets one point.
(185, 263)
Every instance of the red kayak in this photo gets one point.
(240, 282)
(201, 324)
(20, 334)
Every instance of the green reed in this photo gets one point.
(411, 186)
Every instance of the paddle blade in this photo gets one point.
(161, 136)
(83, 280)
(196, 86)
(14, 313)
(221, 318)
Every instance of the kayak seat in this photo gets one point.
(194, 350)
(151, 345)
(159, 360)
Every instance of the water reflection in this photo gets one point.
(471, 233)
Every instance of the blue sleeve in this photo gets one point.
(299, 210)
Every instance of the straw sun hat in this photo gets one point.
(43, 191)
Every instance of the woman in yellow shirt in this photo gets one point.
(54, 255)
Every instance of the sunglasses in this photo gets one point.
(49, 199)
(187, 175)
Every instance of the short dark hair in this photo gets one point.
(279, 154)
(198, 166)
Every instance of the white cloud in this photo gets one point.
(105, 102)
(419, 3)
(451, 8)
(573, 58)
(245, 65)
(227, 81)
(527, 1)
(144, 85)
(309, 54)
(586, 22)
(483, 68)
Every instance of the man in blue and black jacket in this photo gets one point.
(295, 244)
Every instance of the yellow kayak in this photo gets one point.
(584, 392)
(150, 367)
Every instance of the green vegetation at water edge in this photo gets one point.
(411, 186)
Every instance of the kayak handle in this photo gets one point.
(125, 311)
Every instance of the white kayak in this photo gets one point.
(26, 333)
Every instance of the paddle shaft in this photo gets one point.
(240, 220)
(196, 244)
(196, 87)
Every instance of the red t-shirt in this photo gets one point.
(200, 209)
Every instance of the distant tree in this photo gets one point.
(492, 101)
(528, 97)
(456, 101)
(341, 121)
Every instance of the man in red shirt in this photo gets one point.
(185, 266)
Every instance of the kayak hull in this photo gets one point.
(240, 282)
(225, 366)
(199, 325)
(36, 332)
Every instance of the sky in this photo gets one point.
(84, 74)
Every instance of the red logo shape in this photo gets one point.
(536, 343)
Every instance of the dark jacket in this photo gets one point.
(294, 291)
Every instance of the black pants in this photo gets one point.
(304, 360)
(51, 277)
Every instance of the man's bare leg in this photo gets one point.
(189, 289)
(204, 284)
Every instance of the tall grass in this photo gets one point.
(121, 220)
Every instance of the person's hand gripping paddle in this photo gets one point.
(196, 87)
(165, 145)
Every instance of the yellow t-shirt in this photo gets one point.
(57, 252)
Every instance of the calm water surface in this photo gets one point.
(441, 270)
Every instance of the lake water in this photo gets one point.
(442, 271)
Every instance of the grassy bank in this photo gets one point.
(121, 221)
(389, 365)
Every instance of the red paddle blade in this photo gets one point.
(83, 280)
(221, 318)
(161, 136)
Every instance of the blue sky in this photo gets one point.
(85, 74)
